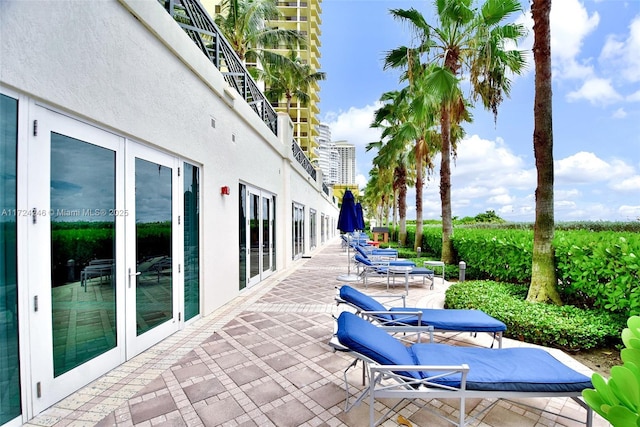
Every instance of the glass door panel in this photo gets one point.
(266, 235)
(73, 255)
(297, 224)
(242, 233)
(152, 241)
(10, 405)
(83, 291)
(154, 287)
(254, 236)
(191, 191)
(257, 223)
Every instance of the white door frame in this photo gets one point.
(40, 389)
(135, 343)
(45, 390)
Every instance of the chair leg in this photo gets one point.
(462, 412)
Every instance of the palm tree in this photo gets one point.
(411, 119)
(376, 194)
(289, 79)
(543, 273)
(244, 24)
(392, 151)
(465, 42)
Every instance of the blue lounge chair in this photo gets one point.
(428, 371)
(403, 319)
(376, 254)
(369, 268)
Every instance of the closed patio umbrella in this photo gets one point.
(347, 223)
(360, 217)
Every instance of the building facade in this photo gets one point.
(127, 159)
(328, 158)
(347, 154)
(304, 16)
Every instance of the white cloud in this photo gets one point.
(361, 180)
(501, 199)
(353, 125)
(570, 24)
(564, 194)
(628, 184)
(631, 213)
(597, 91)
(620, 113)
(623, 56)
(634, 97)
(482, 162)
(526, 44)
(581, 168)
(487, 176)
(563, 204)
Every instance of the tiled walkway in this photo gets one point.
(263, 360)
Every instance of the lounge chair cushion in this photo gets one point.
(417, 271)
(440, 319)
(454, 320)
(374, 343)
(510, 369)
(397, 262)
(365, 302)
(515, 369)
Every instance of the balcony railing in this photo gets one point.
(196, 22)
(302, 158)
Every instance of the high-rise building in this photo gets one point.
(304, 16)
(328, 158)
(347, 171)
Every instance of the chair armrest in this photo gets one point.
(398, 316)
(435, 372)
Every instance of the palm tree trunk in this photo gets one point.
(395, 216)
(445, 186)
(402, 208)
(419, 184)
(543, 273)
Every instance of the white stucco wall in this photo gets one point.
(127, 67)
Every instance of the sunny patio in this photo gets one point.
(263, 360)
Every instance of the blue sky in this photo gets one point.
(596, 111)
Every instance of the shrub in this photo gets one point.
(618, 399)
(566, 327)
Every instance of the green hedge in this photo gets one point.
(594, 269)
(566, 327)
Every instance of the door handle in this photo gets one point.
(137, 273)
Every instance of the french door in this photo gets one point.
(152, 248)
(102, 247)
(257, 233)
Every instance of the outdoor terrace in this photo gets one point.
(263, 360)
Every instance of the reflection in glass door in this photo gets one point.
(267, 237)
(83, 291)
(73, 254)
(103, 255)
(297, 230)
(191, 196)
(257, 228)
(254, 237)
(312, 229)
(154, 278)
(10, 406)
(151, 201)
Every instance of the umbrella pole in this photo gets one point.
(348, 277)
